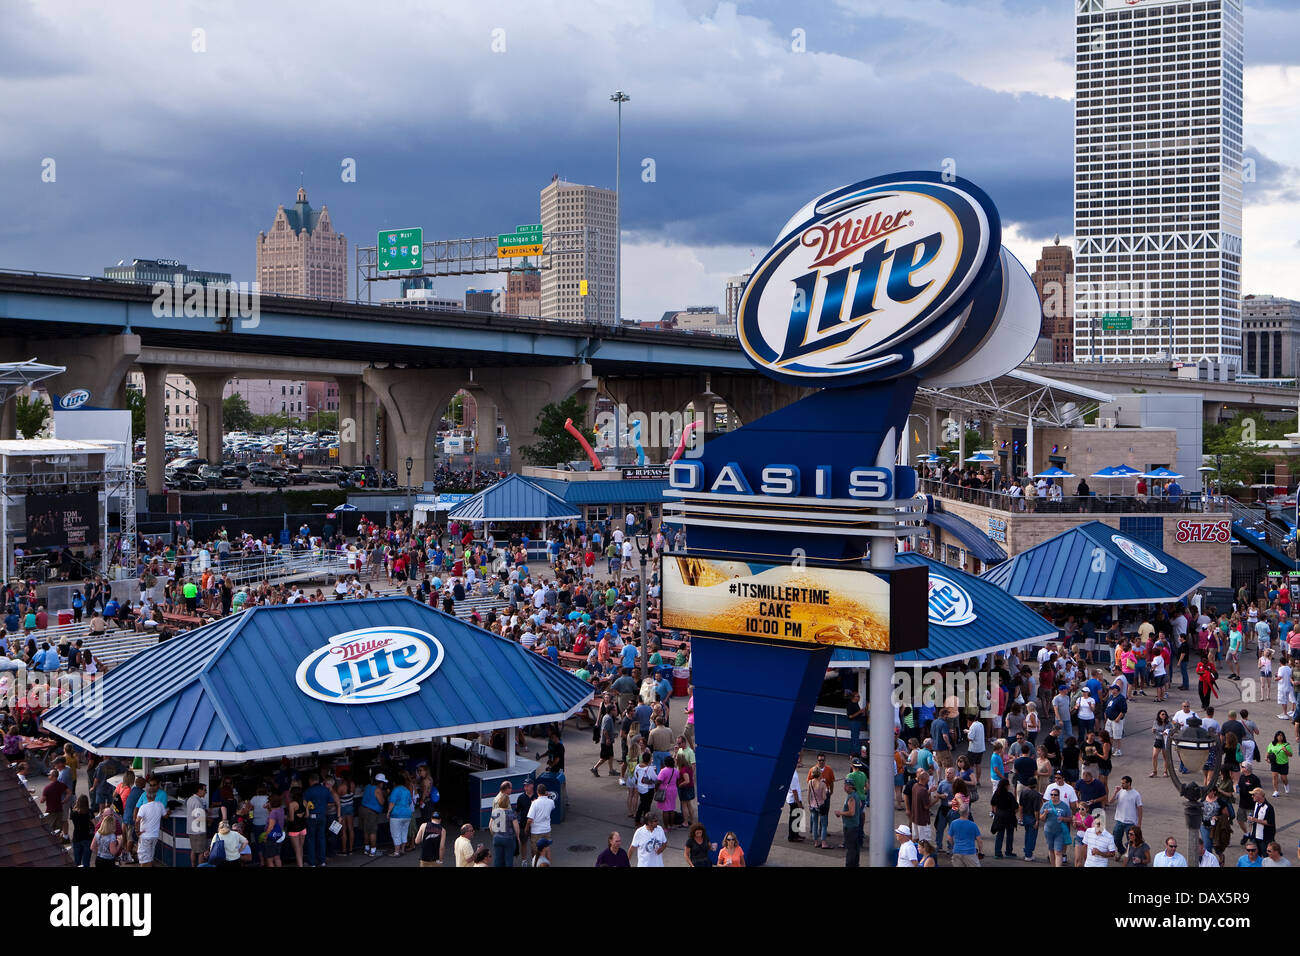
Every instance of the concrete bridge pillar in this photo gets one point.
(208, 387)
(485, 424)
(413, 401)
(97, 363)
(155, 426)
(520, 394)
(9, 419)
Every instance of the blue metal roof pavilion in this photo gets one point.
(967, 617)
(1095, 564)
(232, 689)
(513, 498)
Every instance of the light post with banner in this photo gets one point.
(1202, 748)
(643, 547)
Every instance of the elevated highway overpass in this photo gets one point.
(410, 362)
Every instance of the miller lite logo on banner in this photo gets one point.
(870, 281)
(370, 665)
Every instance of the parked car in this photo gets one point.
(267, 477)
(185, 481)
(217, 477)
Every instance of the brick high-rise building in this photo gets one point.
(524, 292)
(1054, 279)
(569, 208)
(302, 254)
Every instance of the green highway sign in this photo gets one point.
(1117, 323)
(400, 250)
(524, 241)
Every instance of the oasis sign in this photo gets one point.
(370, 665)
(1197, 532)
(786, 481)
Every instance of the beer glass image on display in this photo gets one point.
(809, 605)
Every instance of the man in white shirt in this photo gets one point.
(908, 855)
(975, 747)
(1069, 795)
(1171, 857)
(649, 842)
(1284, 691)
(148, 824)
(1100, 844)
(1207, 856)
(539, 819)
(1181, 717)
(1128, 810)
(793, 798)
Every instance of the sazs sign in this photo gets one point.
(1197, 532)
(370, 665)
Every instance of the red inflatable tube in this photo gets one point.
(573, 430)
(681, 445)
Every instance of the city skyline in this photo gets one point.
(714, 101)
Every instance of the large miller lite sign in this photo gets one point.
(898, 275)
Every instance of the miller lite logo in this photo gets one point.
(950, 603)
(73, 399)
(370, 665)
(871, 281)
(1139, 554)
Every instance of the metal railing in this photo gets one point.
(1256, 523)
(275, 566)
(1070, 504)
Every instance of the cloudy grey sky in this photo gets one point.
(165, 151)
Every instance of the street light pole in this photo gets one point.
(641, 550)
(619, 97)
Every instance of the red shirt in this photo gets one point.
(53, 795)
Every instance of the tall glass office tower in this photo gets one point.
(1157, 180)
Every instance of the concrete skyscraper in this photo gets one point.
(302, 254)
(571, 208)
(1158, 179)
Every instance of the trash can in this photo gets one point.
(554, 783)
(65, 617)
(681, 681)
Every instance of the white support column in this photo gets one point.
(203, 772)
(510, 746)
(1029, 447)
(881, 710)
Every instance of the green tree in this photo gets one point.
(135, 402)
(1233, 448)
(31, 414)
(236, 416)
(554, 443)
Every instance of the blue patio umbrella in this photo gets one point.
(346, 507)
(979, 458)
(1115, 471)
(1161, 473)
(1054, 472)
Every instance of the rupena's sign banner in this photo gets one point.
(840, 607)
(58, 521)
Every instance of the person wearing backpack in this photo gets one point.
(503, 824)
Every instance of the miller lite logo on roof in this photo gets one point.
(950, 603)
(872, 281)
(370, 665)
